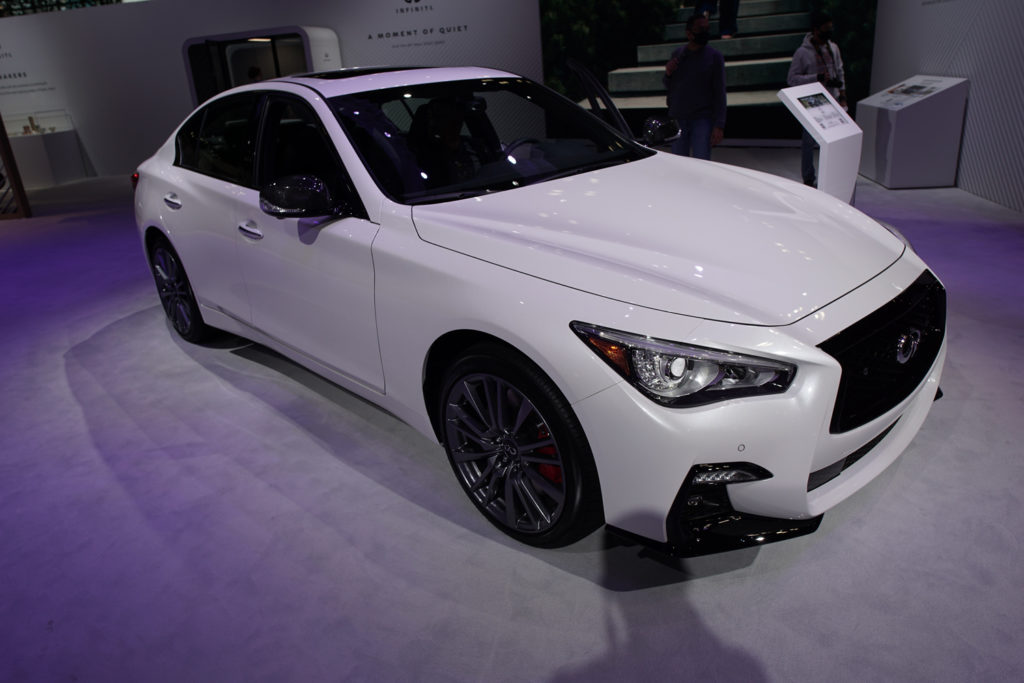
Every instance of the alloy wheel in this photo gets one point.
(174, 290)
(503, 451)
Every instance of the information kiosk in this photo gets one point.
(836, 133)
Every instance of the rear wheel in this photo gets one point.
(517, 448)
(176, 296)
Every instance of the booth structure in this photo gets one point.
(912, 132)
(216, 63)
(836, 133)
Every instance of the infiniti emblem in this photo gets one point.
(906, 346)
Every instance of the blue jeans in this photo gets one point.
(694, 134)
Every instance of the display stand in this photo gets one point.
(13, 202)
(49, 159)
(835, 132)
(47, 148)
(912, 132)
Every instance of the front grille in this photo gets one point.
(886, 355)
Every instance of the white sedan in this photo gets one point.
(700, 356)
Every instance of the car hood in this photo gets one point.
(675, 234)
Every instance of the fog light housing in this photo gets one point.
(727, 473)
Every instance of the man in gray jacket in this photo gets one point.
(817, 59)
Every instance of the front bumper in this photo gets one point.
(702, 520)
(645, 454)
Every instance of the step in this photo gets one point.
(744, 74)
(755, 8)
(742, 98)
(778, 23)
(782, 44)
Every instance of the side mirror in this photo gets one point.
(297, 196)
(658, 131)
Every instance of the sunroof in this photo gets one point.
(356, 71)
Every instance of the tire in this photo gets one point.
(176, 296)
(517, 448)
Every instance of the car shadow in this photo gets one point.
(166, 387)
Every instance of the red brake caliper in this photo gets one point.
(552, 473)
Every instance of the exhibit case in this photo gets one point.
(38, 123)
(912, 132)
(47, 147)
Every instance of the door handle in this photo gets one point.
(249, 229)
(171, 200)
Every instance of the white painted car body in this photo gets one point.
(666, 247)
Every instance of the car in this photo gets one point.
(701, 357)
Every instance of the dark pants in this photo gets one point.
(695, 135)
(807, 147)
(727, 11)
(706, 6)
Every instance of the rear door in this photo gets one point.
(215, 170)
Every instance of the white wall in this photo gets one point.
(120, 73)
(983, 41)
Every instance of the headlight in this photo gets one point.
(682, 375)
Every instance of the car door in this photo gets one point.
(656, 130)
(310, 280)
(600, 102)
(214, 166)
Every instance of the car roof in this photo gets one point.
(363, 79)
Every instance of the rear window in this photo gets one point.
(219, 139)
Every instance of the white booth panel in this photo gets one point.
(912, 132)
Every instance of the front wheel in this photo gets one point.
(518, 450)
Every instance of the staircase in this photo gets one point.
(756, 64)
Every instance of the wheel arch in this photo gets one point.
(440, 356)
(151, 236)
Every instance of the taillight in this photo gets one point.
(135, 180)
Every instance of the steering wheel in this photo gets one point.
(507, 149)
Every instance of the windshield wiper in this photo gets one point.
(446, 196)
(575, 170)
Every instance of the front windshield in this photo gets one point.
(440, 141)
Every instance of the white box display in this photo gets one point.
(834, 130)
(912, 132)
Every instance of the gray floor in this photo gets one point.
(170, 512)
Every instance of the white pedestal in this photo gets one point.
(48, 159)
(835, 132)
(912, 132)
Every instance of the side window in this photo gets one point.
(187, 141)
(219, 139)
(295, 143)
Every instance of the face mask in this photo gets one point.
(701, 38)
(825, 36)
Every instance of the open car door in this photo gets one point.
(656, 130)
